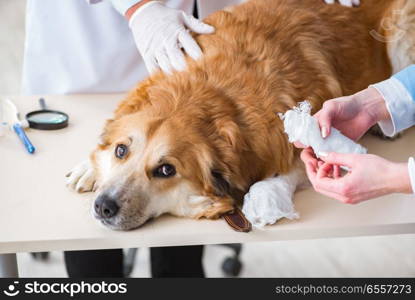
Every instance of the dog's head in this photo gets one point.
(151, 162)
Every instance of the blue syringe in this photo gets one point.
(10, 116)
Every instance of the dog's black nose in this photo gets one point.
(105, 206)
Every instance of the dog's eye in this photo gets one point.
(165, 170)
(121, 151)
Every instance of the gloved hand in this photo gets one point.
(344, 2)
(160, 34)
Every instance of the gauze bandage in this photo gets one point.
(301, 127)
(270, 200)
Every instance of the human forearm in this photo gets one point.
(397, 178)
(133, 8)
(372, 102)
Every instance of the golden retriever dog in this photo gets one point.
(186, 143)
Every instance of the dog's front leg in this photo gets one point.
(271, 199)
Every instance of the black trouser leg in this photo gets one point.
(94, 263)
(177, 261)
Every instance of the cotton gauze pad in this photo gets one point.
(301, 127)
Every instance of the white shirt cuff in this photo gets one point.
(411, 171)
(400, 105)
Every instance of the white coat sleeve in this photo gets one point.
(399, 95)
(120, 5)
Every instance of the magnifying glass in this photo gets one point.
(46, 119)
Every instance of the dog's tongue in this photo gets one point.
(237, 220)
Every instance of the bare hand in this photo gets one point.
(369, 176)
(351, 115)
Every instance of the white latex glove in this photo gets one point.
(344, 2)
(160, 34)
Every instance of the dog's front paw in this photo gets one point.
(82, 178)
(268, 201)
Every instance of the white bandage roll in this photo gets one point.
(301, 127)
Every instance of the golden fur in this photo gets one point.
(217, 122)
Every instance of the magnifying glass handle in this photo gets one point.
(42, 104)
(23, 137)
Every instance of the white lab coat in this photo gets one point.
(73, 47)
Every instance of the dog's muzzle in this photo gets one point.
(106, 207)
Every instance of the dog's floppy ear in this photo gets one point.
(103, 138)
(218, 207)
(215, 186)
(220, 184)
(229, 142)
(229, 133)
